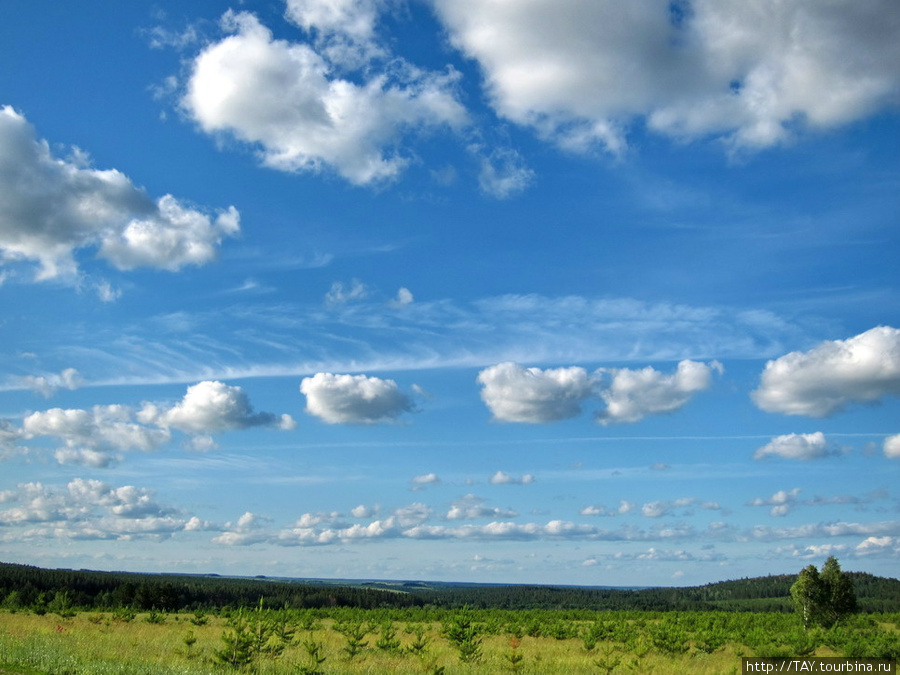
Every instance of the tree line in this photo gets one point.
(27, 587)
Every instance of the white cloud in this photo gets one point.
(824, 380)
(746, 71)
(363, 511)
(892, 447)
(517, 394)
(284, 98)
(88, 509)
(404, 297)
(472, 507)
(426, 479)
(51, 207)
(503, 174)
(92, 436)
(212, 407)
(878, 546)
(47, 385)
(355, 18)
(660, 508)
(437, 333)
(173, 237)
(106, 292)
(101, 429)
(339, 294)
(655, 509)
(634, 394)
(96, 459)
(354, 399)
(831, 529)
(503, 478)
(246, 531)
(344, 29)
(797, 446)
(781, 502)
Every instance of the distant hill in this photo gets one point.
(24, 586)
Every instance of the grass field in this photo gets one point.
(375, 642)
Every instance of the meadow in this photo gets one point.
(432, 641)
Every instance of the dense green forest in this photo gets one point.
(23, 586)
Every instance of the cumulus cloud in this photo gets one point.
(420, 482)
(472, 507)
(96, 459)
(797, 446)
(892, 447)
(88, 509)
(285, 98)
(212, 407)
(47, 385)
(404, 297)
(52, 207)
(745, 71)
(824, 380)
(247, 530)
(872, 546)
(781, 502)
(503, 478)
(353, 18)
(344, 30)
(95, 437)
(514, 393)
(88, 434)
(517, 394)
(354, 399)
(633, 394)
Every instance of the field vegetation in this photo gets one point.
(56, 634)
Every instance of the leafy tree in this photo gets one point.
(808, 594)
(823, 599)
(840, 596)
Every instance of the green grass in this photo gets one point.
(539, 643)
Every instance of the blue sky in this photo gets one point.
(551, 292)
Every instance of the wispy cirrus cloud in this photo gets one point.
(284, 338)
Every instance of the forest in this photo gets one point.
(27, 587)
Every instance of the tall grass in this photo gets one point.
(699, 644)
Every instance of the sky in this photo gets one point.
(554, 291)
